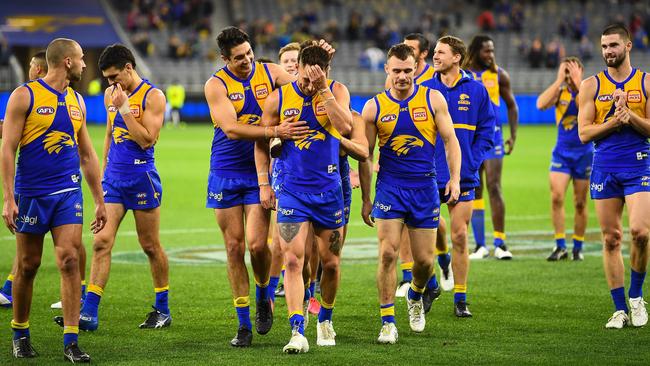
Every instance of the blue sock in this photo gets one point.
(162, 299)
(387, 313)
(433, 282)
(20, 329)
(415, 293)
(273, 284)
(283, 273)
(325, 312)
(618, 295)
(444, 260)
(297, 320)
(499, 239)
(91, 304)
(312, 288)
(261, 293)
(460, 296)
(83, 290)
(307, 295)
(407, 271)
(636, 284)
(560, 242)
(577, 242)
(242, 305)
(478, 223)
(6, 288)
(69, 337)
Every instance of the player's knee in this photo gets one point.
(459, 235)
(639, 237)
(28, 267)
(331, 264)
(292, 263)
(580, 205)
(388, 257)
(494, 188)
(612, 240)
(102, 245)
(258, 247)
(422, 263)
(151, 249)
(68, 262)
(557, 200)
(234, 250)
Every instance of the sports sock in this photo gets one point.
(83, 290)
(273, 284)
(262, 290)
(415, 293)
(91, 304)
(444, 260)
(312, 288)
(282, 271)
(387, 312)
(478, 222)
(577, 242)
(325, 312)
(460, 293)
(242, 305)
(636, 284)
(433, 282)
(162, 299)
(296, 319)
(6, 288)
(20, 329)
(618, 295)
(499, 238)
(407, 271)
(70, 334)
(560, 242)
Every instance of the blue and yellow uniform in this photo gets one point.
(48, 180)
(131, 178)
(233, 178)
(346, 186)
(621, 166)
(570, 155)
(406, 184)
(490, 80)
(471, 111)
(425, 75)
(311, 179)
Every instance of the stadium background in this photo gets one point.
(526, 311)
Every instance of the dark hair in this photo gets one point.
(264, 60)
(619, 29)
(457, 46)
(474, 49)
(231, 37)
(314, 55)
(401, 51)
(574, 59)
(423, 42)
(116, 55)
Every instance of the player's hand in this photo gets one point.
(267, 197)
(100, 219)
(561, 72)
(452, 189)
(354, 179)
(575, 72)
(366, 210)
(510, 145)
(622, 115)
(620, 97)
(118, 96)
(327, 47)
(317, 77)
(291, 129)
(10, 214)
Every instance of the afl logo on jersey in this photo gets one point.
(605, 98)
(291, 112)
(45, 111)
(419, 114)
(112, 109)
(235, 97)
(634, 96)
(261, 91)
(388, 118)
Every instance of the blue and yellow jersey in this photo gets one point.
(48, 160)
(124, 154)
(311, 163)
(625, 149)
(473, 116)
(407, 135)
(566, 118)
(235, 158)
(425, 75)
(490, 81)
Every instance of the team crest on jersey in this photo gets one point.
(388, 118)
(261, 91)
(235, 97)
(419, 114)
(402, 144)
(120, 135)
(45, 111)
(464, 99)
(305, 142)
(249, 119)
(569, 122)
(57, 140)
(634, 96)
(319, 109)
(75, 113)
(135, 110)
(291, 112)
(605, 98)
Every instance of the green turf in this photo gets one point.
(526, 311)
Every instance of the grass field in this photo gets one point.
(526, 311)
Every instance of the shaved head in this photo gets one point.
(59, 49)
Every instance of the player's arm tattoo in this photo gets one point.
(288, 231)
(335, 242)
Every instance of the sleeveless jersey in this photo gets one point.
(490, 80)
(626, 149)
(235, 158)
(566, 118)
(124, 154)
(425, 75)
(407, 136)
(311, 163)
(48, 160)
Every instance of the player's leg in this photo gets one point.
(257, 226)
(460, 214)
(444, 257)
(558, 181)
(478, 219)
(638, 205)
(330, 244)
(147, 225)
(5, 291)
(406, 264)
(423, 253)
(493, 170)
(277, 257)
(29, 249)
(609, 213)
(433, 290)
(82, 273)
(580, 189)
(314, 262)
(389, 233)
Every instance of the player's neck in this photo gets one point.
(450, 76)
(421, 66)
(57, 79)
(137, 80)
(621, 72)
(239, 75)
(401, 94)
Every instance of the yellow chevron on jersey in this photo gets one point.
(41, 117)
(563, 115)
(425, 75)
(490, 80)
(261, 86)
(137, 106)
(633, 87)
(293, 103)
